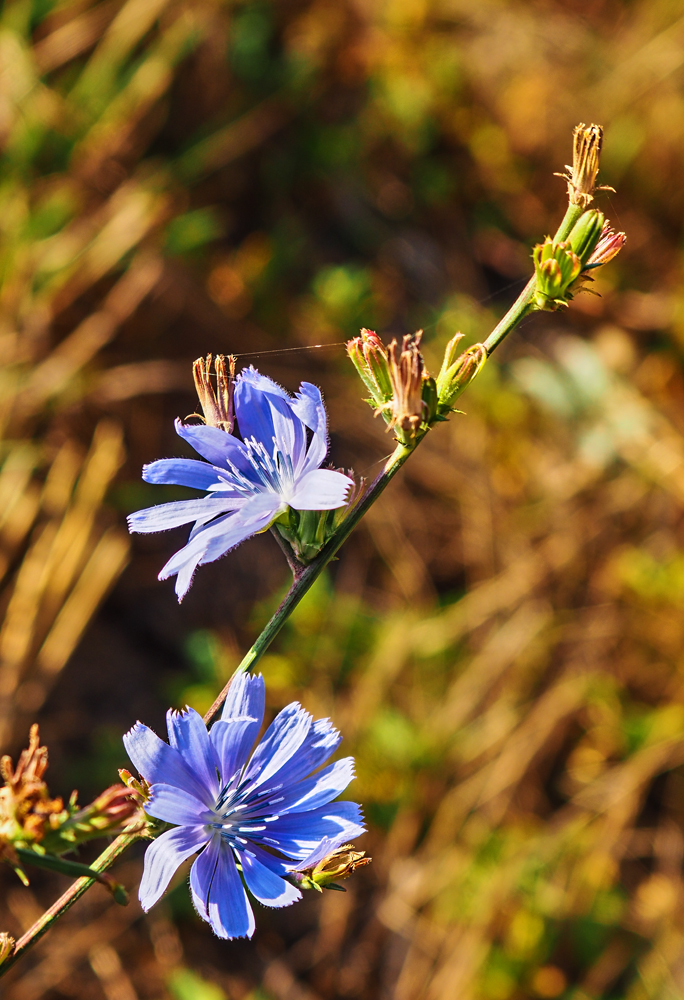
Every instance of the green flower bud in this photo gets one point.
(369, 356)
(586, 233)
(556, 266)
(457, 371)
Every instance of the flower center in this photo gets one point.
(272, 473)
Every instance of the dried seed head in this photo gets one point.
(586, 153)
(27, 812)
(406, 372)
(7, 943)
(217, 404)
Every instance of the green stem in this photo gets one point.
(307, 576)
(523, 305)
(65, 866)
(67, 899)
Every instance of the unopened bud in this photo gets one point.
(217, 404)
(138, 785)
(457, 371)
(556, 266)
(111, 810)
(609, 245)
(338, 864)
(7, 943)
(369, 356)
(581, 176)
(586, 233)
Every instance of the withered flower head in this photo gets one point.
(337, 864)
(581, 176)
(6, 946)
(217, 404)
(27, 812)
(406, 372)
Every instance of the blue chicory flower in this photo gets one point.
(262, 812)
(249, 482)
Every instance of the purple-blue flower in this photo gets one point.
(249, 482)
(261, 813)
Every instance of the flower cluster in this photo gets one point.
(562, 269)
(249, 482)
(253, 819)
(401, 388)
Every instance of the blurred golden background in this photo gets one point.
(502, 641)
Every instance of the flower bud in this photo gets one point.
(369, 356)
(556, 266)
(609, 246)
(586, 233)
(217, 404)
(6, 946)
(138, 785)
(339, 864)
(110, 811)
(457, 371)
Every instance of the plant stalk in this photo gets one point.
(68, 898)
(523, 305)
(307, 576)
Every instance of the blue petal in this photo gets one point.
(157, 762)
(246, 698)
(308, 406)
(322, 489)
(182, 472)
(171, 515)
(269, 888)
(320, 743)
(277, 865)
(289, 434)
(188, 735)
(218, 893)
(232, 741)
(262, 383)
(163, 857)
(176, 806)
(265, 411)
(306, 795)
(298, 834)
(216, 446)
(326, 847)
(281, 740)
(218, 537)
(256, 408)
